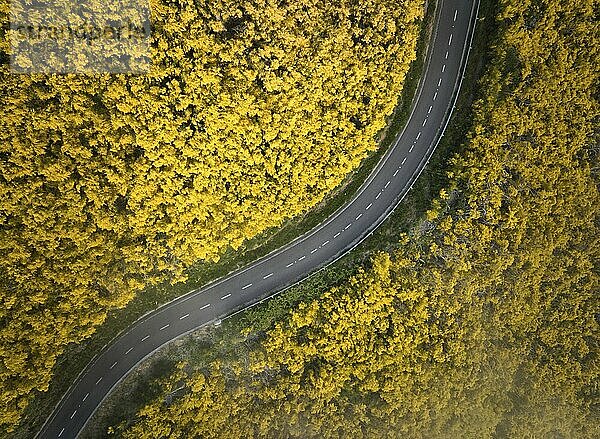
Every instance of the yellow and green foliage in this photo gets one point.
(250, 114)
(485, 323)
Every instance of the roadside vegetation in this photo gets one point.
(108, 181)
(481, 321)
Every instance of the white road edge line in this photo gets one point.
(246, 286)
(164, 327)
(267, 276)
(225, 296)
(185, 316)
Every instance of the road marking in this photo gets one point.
(61, 432)
(268, 276)
(97, 382)
(378, 195)
(325, 243)
(185, 316)
(419, 135)
(440, 82)
(358, 217)
(403, 160)
(205, 306)
(246, 286)
(397, 170)
(435, 95)
(164, 327)
(425, 121)
(348, 226)
(73, 414)
(301, 257)
(455, 13)
(225, 296)
(113, 365)
(85, 397)
(428, 111)
(386, 185)
(370, 204)
(289, 265)
(450, 40)
(411, 148)
(338, 233)
(446, 55)
(128, 351)
(145, 338)
(443, 68)
(313, 250)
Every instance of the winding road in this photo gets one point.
(347, 227)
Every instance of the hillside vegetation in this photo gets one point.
(250, 114)
(485, 323)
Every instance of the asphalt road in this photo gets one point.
(352, 223)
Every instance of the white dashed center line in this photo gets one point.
(113, 365)
(289, 265)
(428, 112)
(440, 82)
(450, 40)
(358, 217)
(205, 306)
(446, 55)
(128, 351)
(313, 250)
(403, 160)
(98, 382)
(369, 206)
(73, 414)
(164, 327)
(435, 95)
(146, 338)
(378, 195)
(246, 286)
(85, 397)
(301, 258)
(424, 122)
(348, 226)
(455, 14)
(397, 170)
(266, 276)
(443, 68)
(410, 150)
(386, 185)
(419, 135)
(338, 233)
(61, 432)
(226, 296)
(185, 316)
(325, 243)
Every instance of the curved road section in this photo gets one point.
(379, 195)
